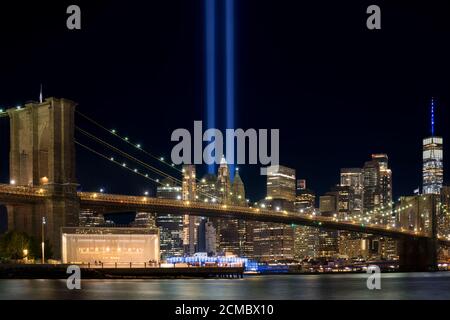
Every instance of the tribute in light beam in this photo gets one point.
(210, 68)
(229, 72)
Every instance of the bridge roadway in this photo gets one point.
(110, 203)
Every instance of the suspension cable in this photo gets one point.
(127, 155)
(116, 162)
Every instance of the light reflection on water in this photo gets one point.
(335, 286)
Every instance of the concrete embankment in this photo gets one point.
(28, 271)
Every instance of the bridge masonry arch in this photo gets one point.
(42, 154)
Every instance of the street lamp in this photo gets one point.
(43, 240)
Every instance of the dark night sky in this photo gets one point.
(337, 91)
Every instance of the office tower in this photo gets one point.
(304, 201)
(353, 178)
(301, 185)
(207, 189)
(327, 205)
(377, 192)
(306, 239)
(385, 179)
(223, 182)
(353, 245)
(210, 238)
(230, 231)
(345, 201)
(90, 218)
(444, 213)
(245, 228)
(170, 226)
(201, 235)
(387, 248)
(433, 165)
(337, 202)
(306, 242)
(144, 220)
(168, 189)
(328, 240)
(190, 222)
(371, 197)
(274, 241)
(304, 198)
(328, 243)
(238, 190)
(281, 183)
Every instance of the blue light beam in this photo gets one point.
(432, 117)
(210, 57)
(229, 72)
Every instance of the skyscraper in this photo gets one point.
(328, 240)
(281, 183)
(304, 198)
(190, 222)
(223, 182)
(433, 165)
(230, 231)
(170, 225)
(274, 241)
(385, 179)
(353, 178)
(377, 188)
(238, 190)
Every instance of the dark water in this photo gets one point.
(335, 286)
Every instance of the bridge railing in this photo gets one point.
(182, 204)
(22, 190)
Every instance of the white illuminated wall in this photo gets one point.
(110, 248)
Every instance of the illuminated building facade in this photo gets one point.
(190, 222)
(90, 218)
(207, 189)
(327, 205)
(144, 220)
(170, 225)
(304, 199)
(306, 242)
(353, 178)
(353, 245)
(443, 222)
(274, 241)
(328, 240)
(110, 245)
(232, 233)
(385, 179)
(281, 183)
(433, 165)
(224, 182)
(377, 192)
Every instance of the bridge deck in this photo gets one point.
(110, 203)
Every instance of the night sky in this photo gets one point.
(336, 90)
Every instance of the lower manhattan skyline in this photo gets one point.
(306, 118)
(224, 150)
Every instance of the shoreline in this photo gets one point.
(24, 271)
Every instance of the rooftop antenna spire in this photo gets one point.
(40, 95)
(432, 116)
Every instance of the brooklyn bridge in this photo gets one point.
(43, 184)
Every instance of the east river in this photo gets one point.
(324, 286)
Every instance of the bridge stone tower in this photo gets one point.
(42, 155)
